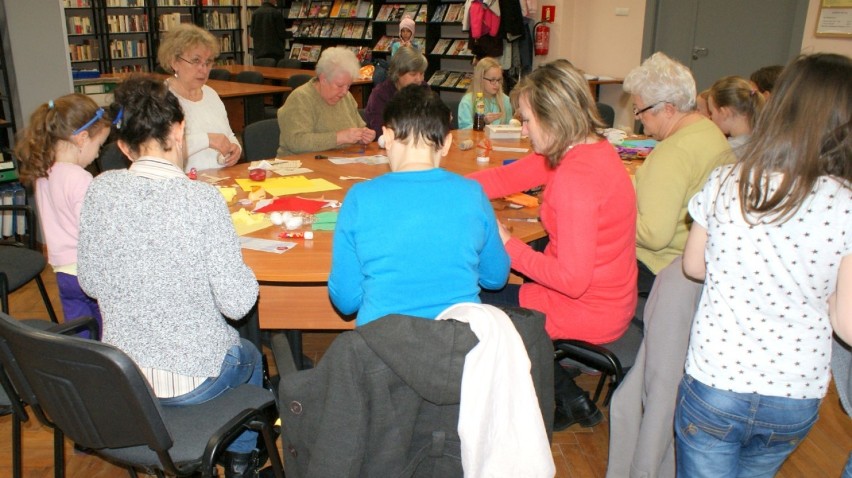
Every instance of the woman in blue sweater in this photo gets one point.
(418, 239)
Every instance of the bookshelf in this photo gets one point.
(450, 59)
(7, 112)
(319, 24)
(223, 18)
(82, 22)
(126, 34)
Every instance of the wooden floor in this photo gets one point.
(578, 452)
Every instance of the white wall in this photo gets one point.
(812, 44)
(35, 36)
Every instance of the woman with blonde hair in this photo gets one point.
(488, 80)
(189, 52)
(585, 279)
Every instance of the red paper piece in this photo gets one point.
(309, 206)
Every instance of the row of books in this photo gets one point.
(176, 3)
(226, 43)
(331, 9)
(305, 52)
(451, 46)
(167, 21)
(127, 23)
(76, 3)
(125, 3)
(221, 21)
(451, 79)
(448, 13)
(395, 12)
(385, 42)
(355, 29)
(128, 49)
(220, 3)
(87, 50)
(131, 68)
(79, 25)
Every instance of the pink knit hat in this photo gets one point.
(407, 23)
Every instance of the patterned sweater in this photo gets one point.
(163, 260)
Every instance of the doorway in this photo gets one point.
(716, 38)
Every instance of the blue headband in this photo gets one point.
(98, 115)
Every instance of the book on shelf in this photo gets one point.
(453, 77)
(357, 30)
(348, 29)
(335, 8)
(337, 31)
(296, 10)
(438, 16)
(383, 44)
(411, 10)
(368, 31)
(324, 10)
(315, 53)
(419, 43)
(327, 26)
(441, 46)
(438, 77)
(465, 80)
(295, 51)
(454, 12)
(384, 12)
(398, 13)
(313, 12)
(421, 14)
(364, 9)
(458, 47)
(305, 54)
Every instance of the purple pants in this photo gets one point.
(75, 302)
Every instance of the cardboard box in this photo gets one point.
(503, 131)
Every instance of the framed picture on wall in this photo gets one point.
(835, 19)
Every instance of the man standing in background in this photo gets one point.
(267, 31)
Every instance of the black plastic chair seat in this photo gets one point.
(20, 265)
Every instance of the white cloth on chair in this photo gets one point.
(500, 424)
(641, 437)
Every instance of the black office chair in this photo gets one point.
(289, 63)
(453, 106)
(22, 262)
(612, 360)
(97, 396)
(219, 74)
(264, 62)
(253, 104)
(111, 158)
(296, 81)
(607, 114)
(11, 403)
(260, 139)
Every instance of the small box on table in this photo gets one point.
(503, 131)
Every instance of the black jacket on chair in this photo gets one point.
(384, 399)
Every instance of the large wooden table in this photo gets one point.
(360, 88)
(293, 285)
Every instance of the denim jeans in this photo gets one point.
(847, 470)
(242, 364)
(728, 434)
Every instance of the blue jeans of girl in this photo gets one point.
(242, 364)
(728, 434)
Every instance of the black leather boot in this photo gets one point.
(241, 465)
(580, 410)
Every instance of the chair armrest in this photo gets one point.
(77, 325)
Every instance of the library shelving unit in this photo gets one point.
(84, 35)
(386, 29)
(127, 35)
(320, 24)
(450, 60)
(223, 18)
(7, 112)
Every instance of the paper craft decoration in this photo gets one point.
(266, 245)
(309, 206)
(289, 185)
(246, 222)
(522, 199)
(324, 221)
(228, 193)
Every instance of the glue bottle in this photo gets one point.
(479, 112)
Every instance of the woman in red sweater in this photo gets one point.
(585, 280)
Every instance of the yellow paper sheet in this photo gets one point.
(246, 222)
(283, 186)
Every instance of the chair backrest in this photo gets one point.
(255, 77)
(289, 63)
(264, 61)
(112, 158)
(607, 114)
(261, 139)
(453, 106)
(296, 81)
(91, 391)
(219, 74)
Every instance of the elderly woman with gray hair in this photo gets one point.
(322, 114)
(407, 67)
(690, 147)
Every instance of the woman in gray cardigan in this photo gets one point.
(160, 254)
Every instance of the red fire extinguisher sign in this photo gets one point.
(548, 13)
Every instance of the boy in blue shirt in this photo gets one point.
(418, 239)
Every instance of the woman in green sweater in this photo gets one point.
(690, 147)
(322, 114)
